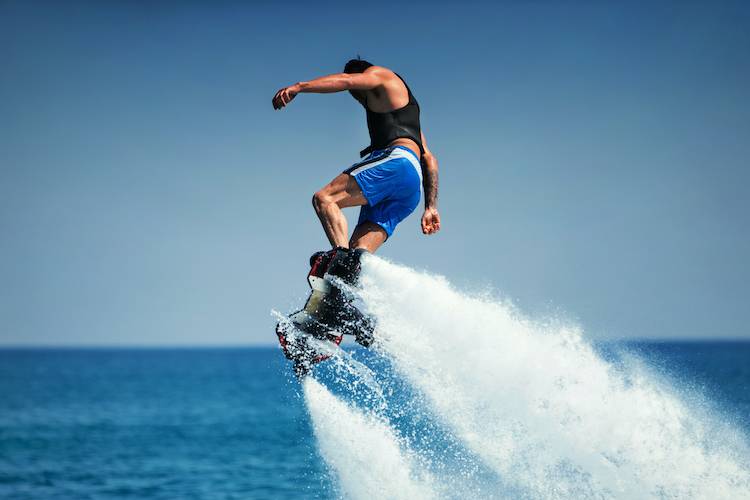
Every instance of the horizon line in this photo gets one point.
(10, 347)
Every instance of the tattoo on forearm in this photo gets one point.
(430, 184)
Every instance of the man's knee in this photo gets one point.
(321, 200)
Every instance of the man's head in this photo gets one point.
(357, 66)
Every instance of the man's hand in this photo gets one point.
(285, 96)
(430, 221)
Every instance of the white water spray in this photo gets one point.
(535, 402)
(366, 455)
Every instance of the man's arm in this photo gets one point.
(331, 83)
(431, 217)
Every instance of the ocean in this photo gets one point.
(213, 423)
(461, 396)
(141, 423)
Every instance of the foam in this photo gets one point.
(367, 457)
(534, 401)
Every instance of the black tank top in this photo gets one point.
(386, 127)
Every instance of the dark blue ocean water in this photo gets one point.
(214, 423)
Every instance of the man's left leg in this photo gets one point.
(343, 191)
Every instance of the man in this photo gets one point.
(386, 182)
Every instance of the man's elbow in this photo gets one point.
(429, 160)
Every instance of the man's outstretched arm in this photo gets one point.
(327, 84)
(431, 217)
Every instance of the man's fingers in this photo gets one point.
(431, 223)
(283, 97)
(278, 99)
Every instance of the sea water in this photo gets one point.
(215, 423)
(203, 423)
(462, 397)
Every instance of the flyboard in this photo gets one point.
(309, 335)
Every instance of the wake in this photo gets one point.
(537, 411)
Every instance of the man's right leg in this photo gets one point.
(369, 236)
(343, 191)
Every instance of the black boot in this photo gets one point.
(346, 265)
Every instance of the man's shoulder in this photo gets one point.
(382, 72)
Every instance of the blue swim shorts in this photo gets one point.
(391, 180)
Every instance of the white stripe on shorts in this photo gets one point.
(396, 153)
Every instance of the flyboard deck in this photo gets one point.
(310, 335)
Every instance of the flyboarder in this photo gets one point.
(385, 183)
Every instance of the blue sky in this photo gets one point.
(594, 161)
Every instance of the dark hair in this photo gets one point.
(356, 66)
